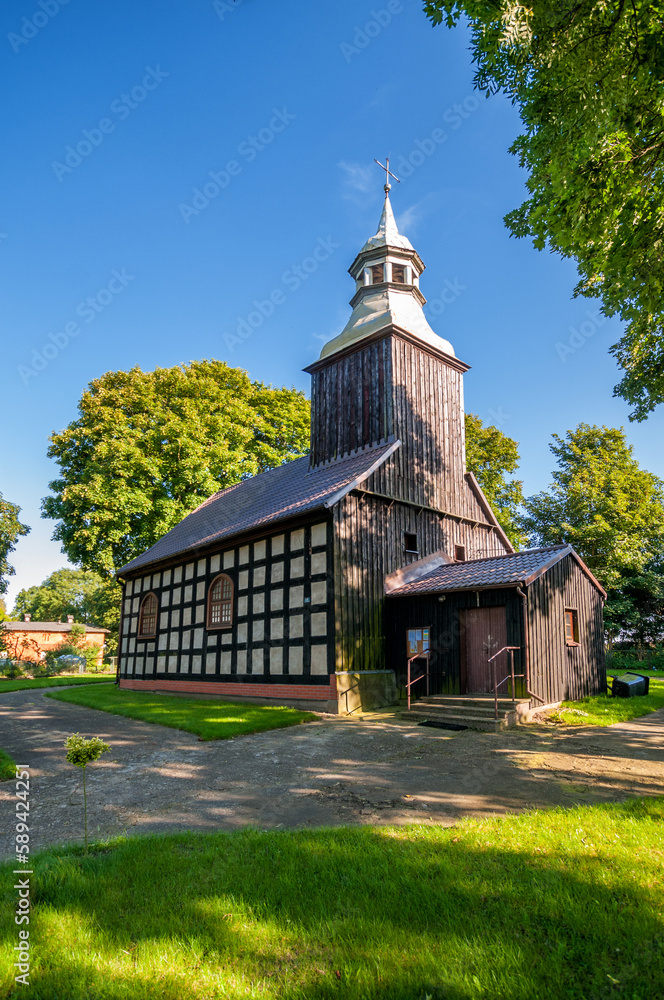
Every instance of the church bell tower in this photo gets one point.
(387, 376)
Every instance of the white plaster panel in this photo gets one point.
(156, 581)
(172, 664)
(163, 619)
(226, 660)
(319, 623)
(242, 605)
(243, 579)
(241, 661)
(319, 659)
(278, 545)
(297, 540)
(177, 595)
(259, 550)
(174, 640)
(259, 604)
(196, 664)
(277, 571)
(198, 638)
(186, 616)
(319, 592)
(257, 630)
(277, 628)
(188, 594)
(297, 567)
(189, 571)
(166, 582)
(132, 645)
(136, 605)
(277, 600)
(210, 663)
(296, 627)
(319, 534)
(277, 660)
(177, 574)
(227, 638)
(161, 664)
(212, 639)
(201, 567)
(186, 639)
(295, 659)
(215, 564)
(242, 632)
(259, 576)
(175, 619)
(200, 613)
(140, 665)
(296, 599)
(244, 555)
(200, 590)
(163, 641)
(319, 563)
(257, 661)
(129, 589)
(229, 559)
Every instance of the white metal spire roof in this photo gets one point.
(388, 234)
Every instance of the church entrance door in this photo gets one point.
(483, 633)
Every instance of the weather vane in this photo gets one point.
(388, 174)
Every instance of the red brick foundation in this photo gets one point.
(292, 692)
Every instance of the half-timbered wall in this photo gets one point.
(368, 544)
(282, 615)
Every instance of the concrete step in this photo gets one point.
(461, 709)
(453, 700)
(489, 725)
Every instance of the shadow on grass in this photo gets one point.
(555, 905)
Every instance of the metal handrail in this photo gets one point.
(510, 676)
(409, 684)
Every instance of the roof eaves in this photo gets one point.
(376, 464)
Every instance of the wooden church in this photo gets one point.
(308, 582)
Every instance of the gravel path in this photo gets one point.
(377, 770)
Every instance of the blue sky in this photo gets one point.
(117, 114)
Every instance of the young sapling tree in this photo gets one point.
(80, 753)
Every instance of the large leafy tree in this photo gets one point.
(588, 79)
(612, 512)
(635, 607)
(493, 457)
(11, 529)
(148, 447)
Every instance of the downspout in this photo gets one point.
(526, 642)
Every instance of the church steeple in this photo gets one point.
(387, 289)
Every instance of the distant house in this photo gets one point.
(31, 641)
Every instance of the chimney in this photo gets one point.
(27, 618)
(70, 619)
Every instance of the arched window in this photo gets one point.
(220, 603)
(147, 619)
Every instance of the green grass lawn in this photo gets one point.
(7, 766)
(25, 683)
(211, 720)
(602, 710)
(562, 905)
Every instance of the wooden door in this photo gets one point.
(483, 633)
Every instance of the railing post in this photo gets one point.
(495, 689)
(408, 685)
(512, 672)
(427, 673)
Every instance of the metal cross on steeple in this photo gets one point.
(388, 174)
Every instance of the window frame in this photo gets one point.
(141, 634)
(406, 536)
(403, 268)
(574, 617)
(229, 601)
(460, 549)
(373, 269)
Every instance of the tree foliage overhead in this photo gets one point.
(588, 79)
(602, 503)
(11, 530)
(493, 456)
(149, 447)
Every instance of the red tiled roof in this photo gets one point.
(281, 493)
(49, 627)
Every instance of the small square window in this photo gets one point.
(459, 553)
(410, 543)
(399, 274)
(571, 627)
(377, 274)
